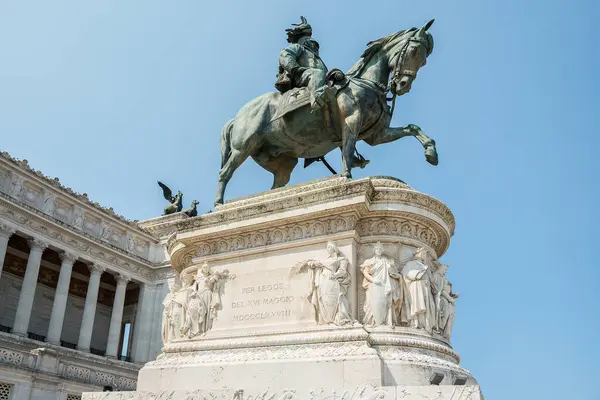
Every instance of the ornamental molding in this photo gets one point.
(321, 350)
(373, 189)
(419, 356)
(277, 338)
(23, 167)
(408, 227)
(326, 207)
(89, 247)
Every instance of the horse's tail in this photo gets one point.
(226, 142)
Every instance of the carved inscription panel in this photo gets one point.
(265, 298)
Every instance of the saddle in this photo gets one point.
(295, 98)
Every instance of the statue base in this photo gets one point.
(266, 338)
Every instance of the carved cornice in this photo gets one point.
(340, 206)
(10, 203)
(23, 165)
(80, 242)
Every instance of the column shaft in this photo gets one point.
(27, 295)
(114, 330)
(89, 310)
(141, 331)
(59, 306)
(5, 233)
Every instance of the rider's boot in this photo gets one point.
(321, 97)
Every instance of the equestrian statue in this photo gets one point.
(316, 111)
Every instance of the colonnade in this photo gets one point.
(27, 295)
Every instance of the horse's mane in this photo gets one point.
(374, 47)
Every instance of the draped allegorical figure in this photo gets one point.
(174, 312)
(417, 275)
(445, 301)
(384, 303)
(329, 280)
(204, 300)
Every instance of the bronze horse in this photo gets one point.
(359, 112)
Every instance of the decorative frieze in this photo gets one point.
(81, 242)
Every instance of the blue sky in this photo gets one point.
(111, 96)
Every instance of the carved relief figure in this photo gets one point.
(329, 281)
(78, 222)
(174, 311)
(166, 317)
(130, 244)
(444, 300)
(49, 203)
(204, 300)
(384, 288)
(418, 278)
(16, 187)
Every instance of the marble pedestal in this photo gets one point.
(264, 340)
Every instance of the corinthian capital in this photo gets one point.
(122, 279)
(6, 231)
(67, 257)
(96, 269)
(37, 244)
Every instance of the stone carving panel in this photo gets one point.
(103, 378)
(91, 225)
(78, 218)
(48, 205)
(16, 186)
(329, 282)
(78, 373)
(414, 292)
(11, 357)
(31, 194)
(266, 236)
(62, 210)
(4, 180)
(127, 383)
(190, 311)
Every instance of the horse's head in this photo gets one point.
(407, 53)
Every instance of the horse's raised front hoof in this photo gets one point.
(415, 128)
(431, 155)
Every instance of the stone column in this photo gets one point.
(89, 310)
(114, 330)
(143, 321)
(5, 233)
(28, 288)
(60, 298)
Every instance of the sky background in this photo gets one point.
(111, 96)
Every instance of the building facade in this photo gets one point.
(81, 290)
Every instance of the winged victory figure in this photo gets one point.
(175, 202)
